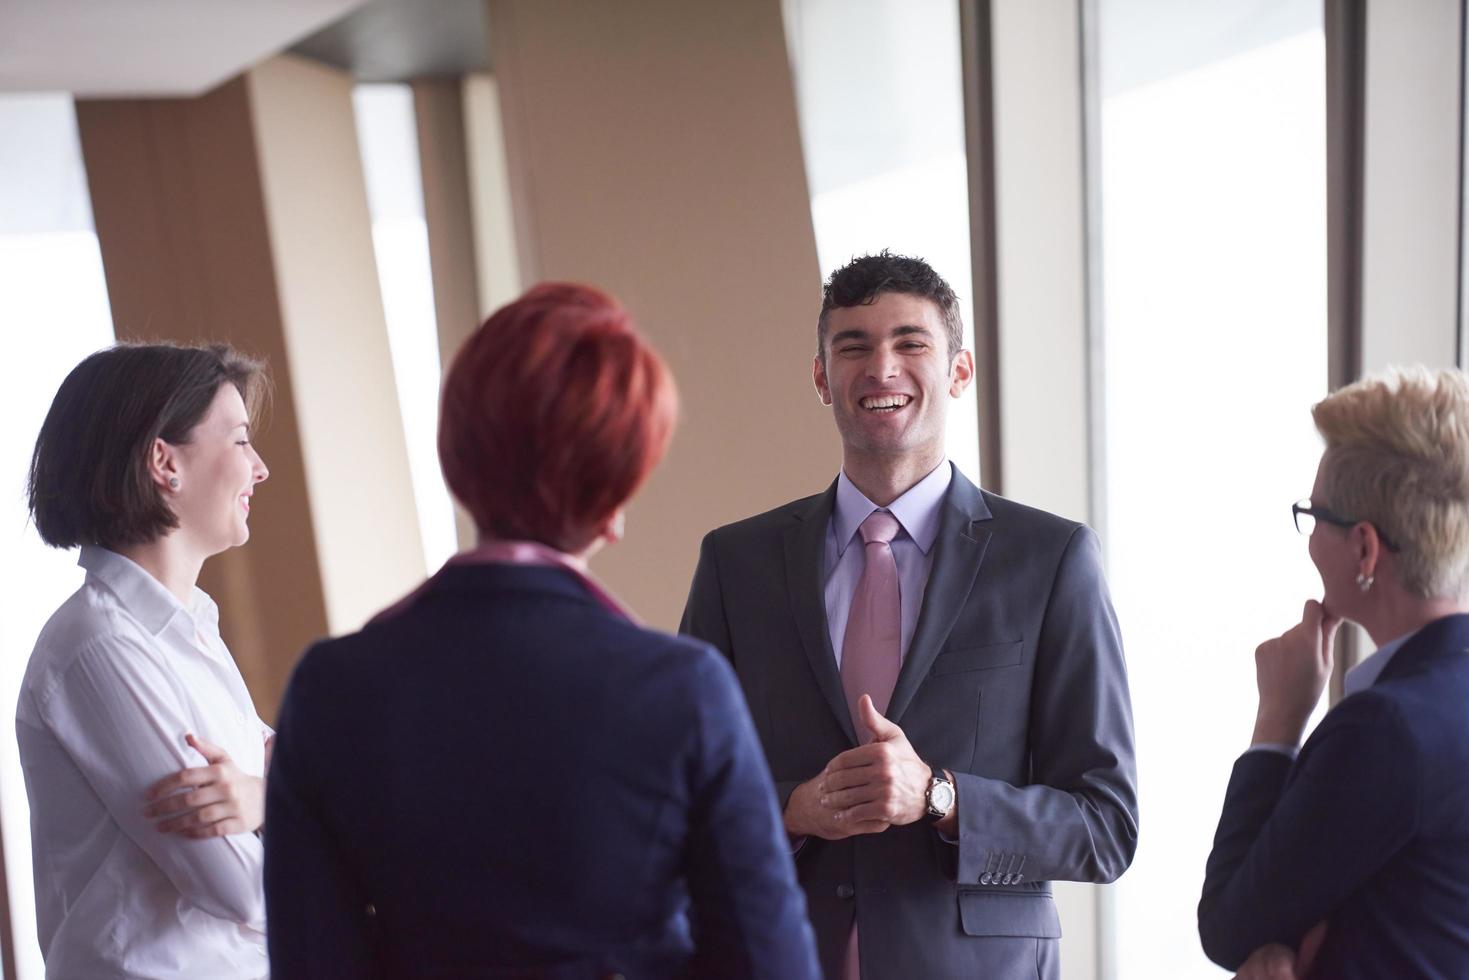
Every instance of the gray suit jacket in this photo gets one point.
(1014, 681)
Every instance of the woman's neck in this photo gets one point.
(170, 561)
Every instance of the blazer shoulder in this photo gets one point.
(331, 654)
(657, 643)
(1378, 714)
(1032, 520)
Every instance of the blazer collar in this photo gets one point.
(539, 580)
(1441, 638)
(804, 543)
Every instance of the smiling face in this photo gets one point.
(217, 470)
(888, 376)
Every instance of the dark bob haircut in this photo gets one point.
(554, 413)
(89, 480)
(861, 281)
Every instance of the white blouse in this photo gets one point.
(120, 674)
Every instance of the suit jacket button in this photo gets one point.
(984, 879)
(845, 890)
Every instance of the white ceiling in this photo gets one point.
(122, 48)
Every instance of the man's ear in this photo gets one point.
(818, 378)
(961, 373)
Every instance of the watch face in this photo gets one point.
(941, 797)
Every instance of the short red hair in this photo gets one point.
(554, 413)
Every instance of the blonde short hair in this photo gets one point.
(1397, 455)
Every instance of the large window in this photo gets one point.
(387, 133)
(880, 99)
(1214, 256)
(53, 312)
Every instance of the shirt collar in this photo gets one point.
(917, 510)
(1365, 674)
(141, 594)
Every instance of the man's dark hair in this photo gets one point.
(861, 281)
(89, 481)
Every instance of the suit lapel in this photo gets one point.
(958, 551)
(805, 543)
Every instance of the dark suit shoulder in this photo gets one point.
(1377, 709)
(1032, 519)
(1376, 717)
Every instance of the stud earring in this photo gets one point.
(1364, 582)
(173, 483)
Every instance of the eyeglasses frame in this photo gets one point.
(1328, 516)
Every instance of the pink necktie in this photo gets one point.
(872, 646)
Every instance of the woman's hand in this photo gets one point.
(207, 801)
(1277, 962)
(1290, 672)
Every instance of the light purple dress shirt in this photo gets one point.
(918, 511)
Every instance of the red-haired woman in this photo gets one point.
(505, 775)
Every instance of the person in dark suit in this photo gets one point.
(504, 775)
(1351, 858)
(936, 672)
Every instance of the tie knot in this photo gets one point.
(879, 528)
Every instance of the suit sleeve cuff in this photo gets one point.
(1289, 751)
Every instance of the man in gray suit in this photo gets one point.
(935, 672)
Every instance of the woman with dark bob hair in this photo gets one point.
(144, 759)
(504, 775)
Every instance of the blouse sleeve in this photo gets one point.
(122, 718)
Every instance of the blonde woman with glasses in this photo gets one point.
(1350, 857)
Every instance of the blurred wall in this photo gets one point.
(654, 151)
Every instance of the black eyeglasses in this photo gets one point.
(1306, 515)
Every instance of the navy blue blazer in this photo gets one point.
(1369, 829)
(505, 779)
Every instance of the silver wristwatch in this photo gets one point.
(940, 796)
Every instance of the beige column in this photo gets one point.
(1411, 260)
(489, 194)
(361, 493)
(653, 151)
(438, 109)
(241, 216)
